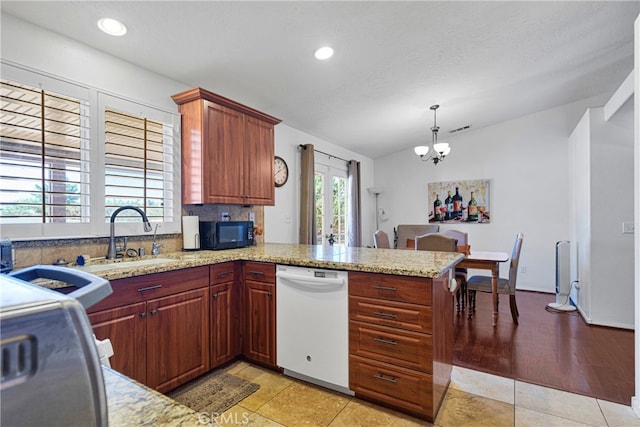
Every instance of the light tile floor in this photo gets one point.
(473, 399)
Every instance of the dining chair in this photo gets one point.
(505, 286)
(407, 232)
(461, 273)
(436, 242)
(381, 240)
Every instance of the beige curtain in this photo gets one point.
(354, 216)
(308, 233)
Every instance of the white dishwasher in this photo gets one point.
(312, 325)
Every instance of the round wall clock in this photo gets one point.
(281, 171)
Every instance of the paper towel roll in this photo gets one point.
(190, 232)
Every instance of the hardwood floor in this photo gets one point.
(557, 350)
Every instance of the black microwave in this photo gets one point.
(226, 234)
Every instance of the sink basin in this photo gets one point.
(92, 268)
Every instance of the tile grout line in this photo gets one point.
(340, 411)
(606, 421)
(265, 402)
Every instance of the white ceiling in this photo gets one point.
(483, 62)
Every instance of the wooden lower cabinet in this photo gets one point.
(400, 341)
(126, 327)
(260, 313)
(224, 314)
(177, 339)
(222, 324)
(162, 338)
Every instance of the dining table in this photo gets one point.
(487, 260)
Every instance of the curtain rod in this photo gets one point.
(322, 152)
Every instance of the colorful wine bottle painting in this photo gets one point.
(449, 202)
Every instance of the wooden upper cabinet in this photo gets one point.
(227, 150)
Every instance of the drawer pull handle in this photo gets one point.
(148, 288)
(257, 272)
(385, 315)
(224, 273)
(383, 378)
(385, 341)
(384, 288)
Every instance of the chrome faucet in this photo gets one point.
(112, 251)
(155, 247)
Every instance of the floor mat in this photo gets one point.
(214, 392)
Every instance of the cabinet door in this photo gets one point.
(260, 320)
(224, 153)
(259, 186)
(126, 328)
(223, 329)
(177, 338)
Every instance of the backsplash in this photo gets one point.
(236, 213)
(32, 252)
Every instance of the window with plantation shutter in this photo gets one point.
(138, 166)
(44, 156)
(70, 155)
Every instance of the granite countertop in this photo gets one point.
(388, 261)
(133, 404)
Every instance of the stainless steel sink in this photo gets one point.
(92, 268)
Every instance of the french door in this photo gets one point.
(331, 204)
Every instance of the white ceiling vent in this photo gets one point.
(460, 129)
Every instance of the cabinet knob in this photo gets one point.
(143, 315)
(215, 296)
(154, 312)
(269, 294)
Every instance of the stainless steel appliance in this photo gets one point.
(312, 325)
(51, 373)
(226, 234)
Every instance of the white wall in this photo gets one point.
(611, 204)
(36, 48)
(282, 220)
(526, 160)
(580, 165)
(602, 158)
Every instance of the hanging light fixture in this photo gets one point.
(440, 149)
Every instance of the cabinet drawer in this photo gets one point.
(142, 288)
(401, 315)
(260, 271)
(404, 348)
(222, 273)
(401, 388)
(413, 290)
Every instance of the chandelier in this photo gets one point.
(440, 149)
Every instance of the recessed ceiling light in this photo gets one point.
(112, 27)
(324, 53)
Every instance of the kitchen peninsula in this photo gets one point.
(402, 263)
(400, 316)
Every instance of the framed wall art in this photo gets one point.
(459, 202)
